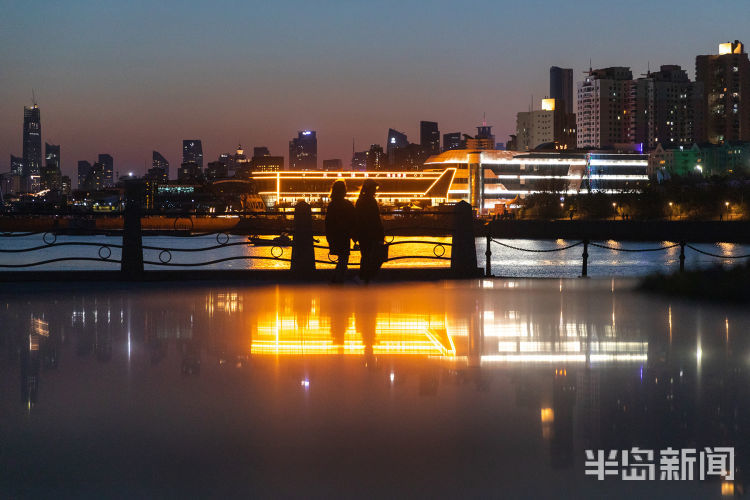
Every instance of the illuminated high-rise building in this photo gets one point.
(16, 165)
(51, 176)
(158, 161)
(550, 126)
(192, 152)
(84, 168)
(603, 102)
(453, 140)
(429, 137)
(561, 87)
(108, 166)
(666, 108)
(375, 158)
(303, 151)
(395, 141)
(32, 146)
(726, 86)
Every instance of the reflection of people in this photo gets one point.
(370, 233)
(339, 224)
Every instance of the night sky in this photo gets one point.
(128, 77)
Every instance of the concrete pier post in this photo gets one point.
(585, 255)
(303, 252)
(131, 263)
(463, 250)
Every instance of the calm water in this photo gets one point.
(479, 388)
(505, 261)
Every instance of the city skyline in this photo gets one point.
(238, 94)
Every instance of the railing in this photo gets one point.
(585, 254)
(299, 238)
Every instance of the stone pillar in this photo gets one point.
(303, 252)
(463, 250)
(131, 264)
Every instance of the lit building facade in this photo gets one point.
(603, 102)
(428, 188)
(453, 140)
(159, 162)
(726, 86)
(303, 151)
(32, 147)
(192, 152)
(108, 167)
(549, 125)
(561, 88)
(429, 137)
(489, 178)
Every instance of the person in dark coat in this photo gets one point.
(369, 231)
(339, 227)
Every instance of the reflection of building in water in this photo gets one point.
(279, 333)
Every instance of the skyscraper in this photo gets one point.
(108, 166)
(429, 137)
(16, 165)
(51, 177)
(303, 151)
(453, 141)
(32, 146)
(84, 169)
(726, 93)
(158, 161)
(395, 140)
(550, 126)
(666, 108)
(603, 101)
(192, 152)
(561, 87)
(52, 154)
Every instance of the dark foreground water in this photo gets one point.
(491, 388)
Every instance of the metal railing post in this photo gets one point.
(488, 254)
(682, 256)
(585, 255)
(131, 264)
(303, 252)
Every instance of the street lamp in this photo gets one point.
(614, 208)
(670, 210)
(726, 205)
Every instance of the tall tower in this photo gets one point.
(429, 137)
(303, 151)
(561, 87)
(726, 93)
(192, 152)
(32, 146)
(108, 167)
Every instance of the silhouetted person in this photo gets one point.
(369, 231)
(339, 227)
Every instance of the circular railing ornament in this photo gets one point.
(330, 257)
(222, 238)
(438, 250)
(104, 249)
(47, 241)
(392, 238)
(165, 256)
(277, 252)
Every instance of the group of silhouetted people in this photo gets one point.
(359, 222)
